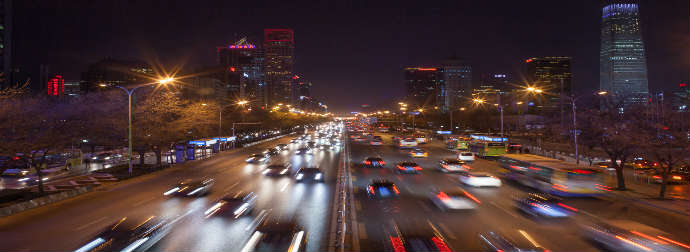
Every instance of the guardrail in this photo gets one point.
(339, 210)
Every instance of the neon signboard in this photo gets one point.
(250, 46)
(489, 139)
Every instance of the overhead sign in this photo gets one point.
(414, 113)
(488, 138)
(443, 132)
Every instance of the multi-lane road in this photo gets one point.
(68, 224)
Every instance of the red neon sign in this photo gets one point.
(56, 86)
(683, 85)
(528, 60)
(232, 69)
(426, 69)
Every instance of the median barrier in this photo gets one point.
(41, 201)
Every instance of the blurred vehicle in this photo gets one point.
(281, 147)
(544, 205)
(671, 178)
(453, 165)
(311, 144)
(277, 236)
(191, 187)
(495, 242)
(276, 170)
(294, 140)
(382, 189)
(416, 152)
(233, 205)
(376, 140)
(421, 139)
(303, 151)
(15, 173)
(325, 147)
(625, 235)
(454, 199)
(360, 139)
(407, 142)
(416, 238)
(129, 234)
(468, 157)
(374, 162)
(256, 158)
(479, 179)
(408, 167)
(103, 157)
(309, 174)
(270, 152)
(605, 165)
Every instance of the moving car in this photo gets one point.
(281, 147)
(257, 158)
(466, 156)
(453, 165)
(454, 199)
(294, 140)
(544, 205)
(270, 152)
(382, 189)
(374, 162)
(376, 141)
(303, 151)
(625, 235)
(234, 205)
(671, 178)
(277, 236)
(309, 174)
(191, 187)
(325, 147)
(494, 241)
(276, 170)
(129, 234)
(408, 167)
(416, 238)
(15, 173)
(478, 179)
(416, 152)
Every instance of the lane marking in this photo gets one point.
(282, 189)
(505, 210)
(529, 238)
(446, 230)
(90, 223)
(362, 231)
(141, 202)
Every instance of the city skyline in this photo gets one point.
(334, 46)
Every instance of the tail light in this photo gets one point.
(395, 188)
(367, 162)
(656, 177)
(472, 197)
(442, 247)
(371, 189)
(382, 162)
(560, 187)
(418, 168)
(567, 207)
(397, 244)
(400, 167)
(674, 242)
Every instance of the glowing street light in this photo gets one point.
(167, 80)
(602, 92)
(478, 101)
(242, 102)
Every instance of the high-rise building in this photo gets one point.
(111, 72)
(242, 70)
(491, 86)
(6, 42)
(552, 74)
(279, 60)
(622, 61)
(424, 87)
(457, 79)
(56, 86)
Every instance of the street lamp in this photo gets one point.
(129, 93)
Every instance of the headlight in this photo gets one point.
(195, 191)
(171, 191)
(318, 176)
(284, 171)
(249, 159)
(299, 176)
(213, 208)
(23, 179)
(265, 171)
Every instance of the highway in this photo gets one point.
(495, 213)
(68, 224)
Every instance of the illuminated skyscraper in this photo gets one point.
(622, 61)
(242, 70)
(279, 59)
(457, 79)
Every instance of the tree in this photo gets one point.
(156, 119)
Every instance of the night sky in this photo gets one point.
(352, 51)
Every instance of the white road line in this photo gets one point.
(502, 208)
(529, 238)
(141, 202)
(362, 231)
(90, 223)
(282, 189)
(446, 230)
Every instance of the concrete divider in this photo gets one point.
(45, 200)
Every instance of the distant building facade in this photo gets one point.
(279, 60)
(622, 61)
(457, 79)
(56, 86)
(424, 87)
(112, 72)
(243, 70)
(554, 76)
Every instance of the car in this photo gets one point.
(382, 189)
(270, 152)
(311, 144)
(416, 152)
(671, 178)
(303, 151)
(295, 140)
(234, 205)
(494, 241)
(276, 170)
(408, 167)
(309, 174)
(479, 179)
(374, 162)
(454, 199)
(544, 205)
(467, 157)
(376, 141)
(626, 235)
(15, 173)
(453, 165)
(191, 187)
(423, 236)
(325, 147)
(277, 236)
(257, 158)
(129, 234)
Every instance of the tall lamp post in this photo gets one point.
(129, 93)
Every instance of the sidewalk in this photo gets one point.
(638, 191)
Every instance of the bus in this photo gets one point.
(421, 138)
(553, 176)
(486, 146)
(458, 143)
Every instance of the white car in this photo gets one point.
(467, 157)
(454, 199)
(477, 179)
